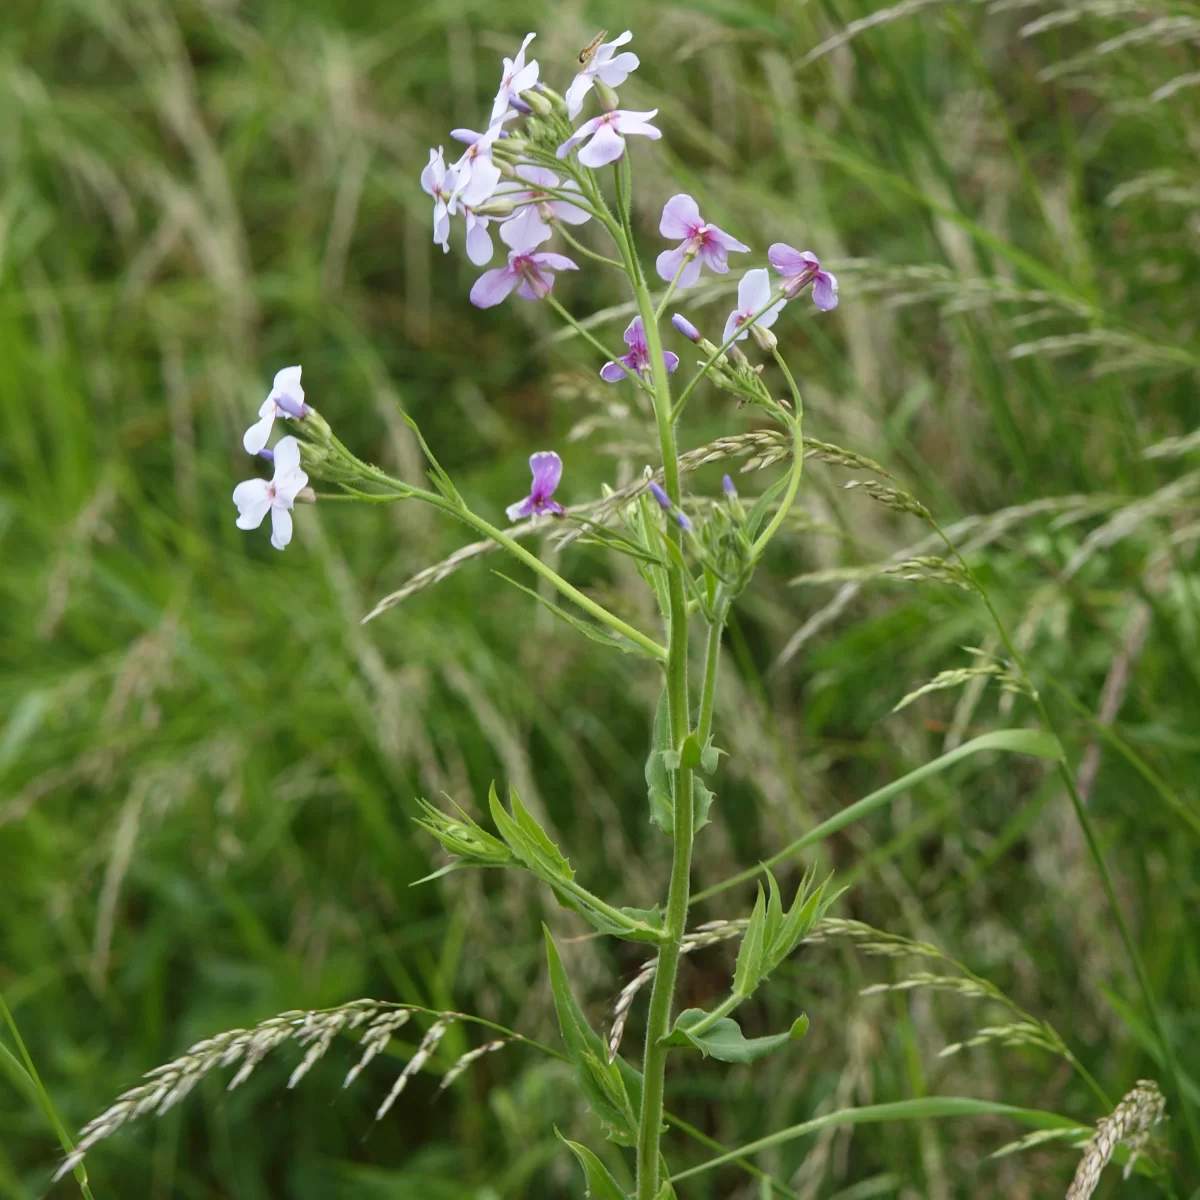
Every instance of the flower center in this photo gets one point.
(271, 492)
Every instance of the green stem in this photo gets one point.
(658, 1023)
(43, 1099)
(716, 354)
(722, 1010)
(662, 304)
(573, 241)
(712, 661)
(1093, 844)
(785, 504)
(594, 342)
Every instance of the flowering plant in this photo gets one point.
(539, 176)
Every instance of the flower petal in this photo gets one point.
(690, 274)
(577, 94)
(525, 78)
(535, 285)
(287, 457)
(520, 510)
(611, 372)
(479, 241)
(485, 176)
(434, 173)
(606, 147)
(825, 291)
(547, 471)
(789, 261)
(680, 215)
(255, 438)
(727, 241)
(754, 290)
(584, 131)
(615, 71)
(281, 526)
(493, 286)
(667, 263)
(253, 501)
(635, 335)
(555, 262)
(525, 229)
(670, 361)
(565, 211)
(730, 325)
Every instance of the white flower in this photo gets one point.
(286, 400)
(518, 77)
(603, 66)
(256, 497)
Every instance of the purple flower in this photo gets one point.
(684, 523)
(547, 471)
(535, 208)
(659, 493)
(286, 399)
(728, 488)
(440, 182)
(608, 132)
(479, 241)
(684, 326)
(799, 267)
(256, 497)
(518, 77)
(754, 293)
(529, 273)
(701, 243)
(603, 66)
(638, 358)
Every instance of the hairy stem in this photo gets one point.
(658, 1024)
(785, 504)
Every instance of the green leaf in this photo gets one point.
(528, 839)
(710, 756)
(437, 475)
(601, 1082)
(589, 629)
(702, 800)
(600, 1184)
(748, 969)
(1016, 741)
(690, 753)
(725, 1041)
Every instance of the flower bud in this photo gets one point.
(728, 488)
(497, 206)
(289, 404)
(606, 96)
(764, 337)
(684, 523)
(664, 501)
(269, 455)
(537, 103)
(684, 326)
(307, 496)
(521, 104)
(317, 427)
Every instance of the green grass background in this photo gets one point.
(208, 766)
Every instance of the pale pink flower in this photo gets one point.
(256, 497)
(535, 208)
(607, 133)
(754, 293)
(440, 181)
(701, 244)
(286, 399)
(518, 77)
(800, 267)
(530, 273)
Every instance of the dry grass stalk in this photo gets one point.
(165, 1086)
(1131, 1122)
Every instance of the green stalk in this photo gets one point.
(722, 1010)
(595, 343)
(42, 1097)
(658, 1025)
(785, 504)
(712, 661)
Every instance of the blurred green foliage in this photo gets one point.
(208, 767)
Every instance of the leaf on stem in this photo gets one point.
(724, 1040)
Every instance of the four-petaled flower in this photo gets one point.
(638, 358)
(702, 243)
(518, 77)
(603, 66)
(529, 272)
(608, 132)
(547, 471)
(754, 293)
(256, 497)
(476, 175)
(799, 267)
(439, 181)
(535, 207)
(286, 400)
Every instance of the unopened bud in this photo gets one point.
(521, 105)
(684, 326)
(269, 455)
(728, 488)
(497, 206)
(538, 103)
(664, 501)
(606, 96)
(306, 496)
(291, 406)
(764, 337)
(317, 427)
(684, 523)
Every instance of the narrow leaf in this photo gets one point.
(600, 1184)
